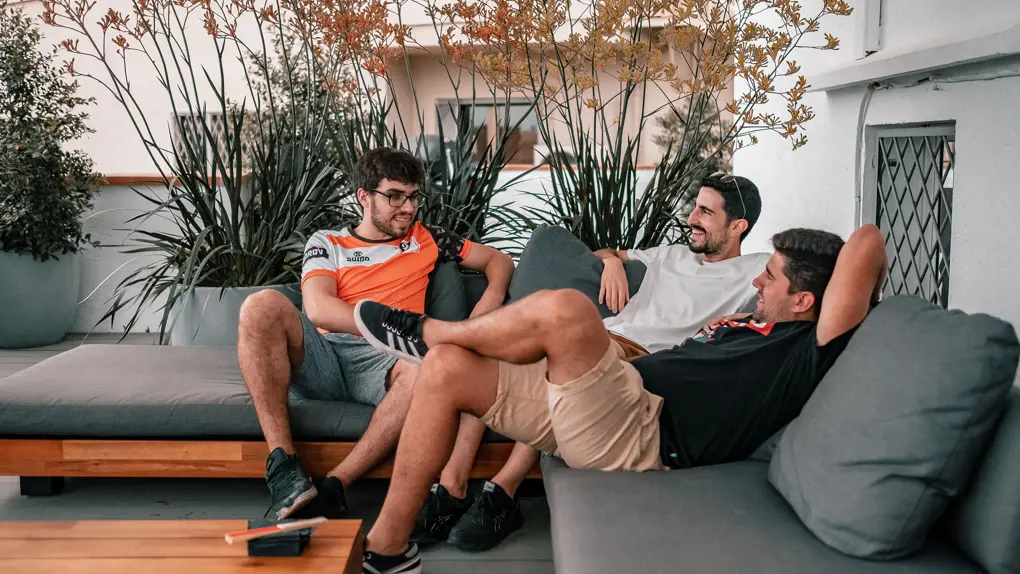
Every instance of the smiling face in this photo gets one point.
(712, 233)
(776, 303)
(388, 220)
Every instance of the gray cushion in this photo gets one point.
(722, 518)
(149, 391)
(893, 431)
(986, 523)
(555, 259)
(445, 297)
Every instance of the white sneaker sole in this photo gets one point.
(299, 503)
(372, 340)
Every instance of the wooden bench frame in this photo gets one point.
(53, 459)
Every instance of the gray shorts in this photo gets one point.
(340, 367)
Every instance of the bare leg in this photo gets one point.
(457, 471)
(521, 460)
(270, 342)
(452, 380)
(563, 326)
(383, 430)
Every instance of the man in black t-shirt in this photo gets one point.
(543, 371)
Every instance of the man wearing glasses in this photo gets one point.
(320, 353)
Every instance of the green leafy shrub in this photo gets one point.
(44, 189)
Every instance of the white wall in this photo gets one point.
(815, 187)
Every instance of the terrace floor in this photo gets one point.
(528, 550)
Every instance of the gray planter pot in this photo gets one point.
(37, 299)
(209, 315)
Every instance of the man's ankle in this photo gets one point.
(456, 488)
(390, 549)
(508, 486)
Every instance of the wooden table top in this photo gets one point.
(165, 547)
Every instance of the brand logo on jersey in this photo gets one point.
(405, 245)
(316, 252)
(357, 257)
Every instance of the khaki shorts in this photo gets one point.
(604, 420)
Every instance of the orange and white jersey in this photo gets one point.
(394, 273)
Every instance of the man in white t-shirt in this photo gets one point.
(683, 289)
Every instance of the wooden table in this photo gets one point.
(165, 547)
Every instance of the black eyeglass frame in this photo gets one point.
(419, 198)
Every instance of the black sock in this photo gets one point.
(332, 483)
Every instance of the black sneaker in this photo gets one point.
(393, 331)
(441, 511)
(330, 502)
(289, 485)
(408, 562)
(492, 518)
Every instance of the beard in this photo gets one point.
(390, 225)
(708, 245)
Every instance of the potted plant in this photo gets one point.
(44, 189)
(246, 179)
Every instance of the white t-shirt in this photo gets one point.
(680, 293)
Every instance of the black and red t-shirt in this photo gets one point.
(726, 390)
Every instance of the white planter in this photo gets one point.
(37, 299)
(209, 316)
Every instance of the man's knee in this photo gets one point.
(263, 311)
(562, 309)
(402, 377)
(445, 367)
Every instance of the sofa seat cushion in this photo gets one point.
(150, 391)
(724, 518)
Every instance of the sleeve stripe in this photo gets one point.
(465, 249)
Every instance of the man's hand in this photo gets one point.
(488, 302)
(734, 317)
(614, 292)
(498, 269)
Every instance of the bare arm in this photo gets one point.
(860, 270)
(324, 308)
(607, 253)
(498, 268)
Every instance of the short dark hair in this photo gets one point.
(809, 258)
(741, 199)
(388, 163)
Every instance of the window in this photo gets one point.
(187, 129)
(909, 196)
(520, 144)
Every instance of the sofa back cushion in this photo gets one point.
(986, 522)
(555, 259)
(895, 429)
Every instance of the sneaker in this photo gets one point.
(393, 331)
(492, 518)
(407, 563)
(289, 485)
(441, 511)
(330, 502)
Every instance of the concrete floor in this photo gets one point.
(527, 551)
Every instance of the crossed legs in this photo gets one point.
(460, 374)
(271, 345)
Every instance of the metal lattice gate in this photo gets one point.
(909, 196)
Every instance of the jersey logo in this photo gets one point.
(357, 257)
(315, 253)
(405, 245)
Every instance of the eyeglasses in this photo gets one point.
(399, 199)
(727, 178)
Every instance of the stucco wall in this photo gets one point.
(815, 185)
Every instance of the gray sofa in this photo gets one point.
(732, 518)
